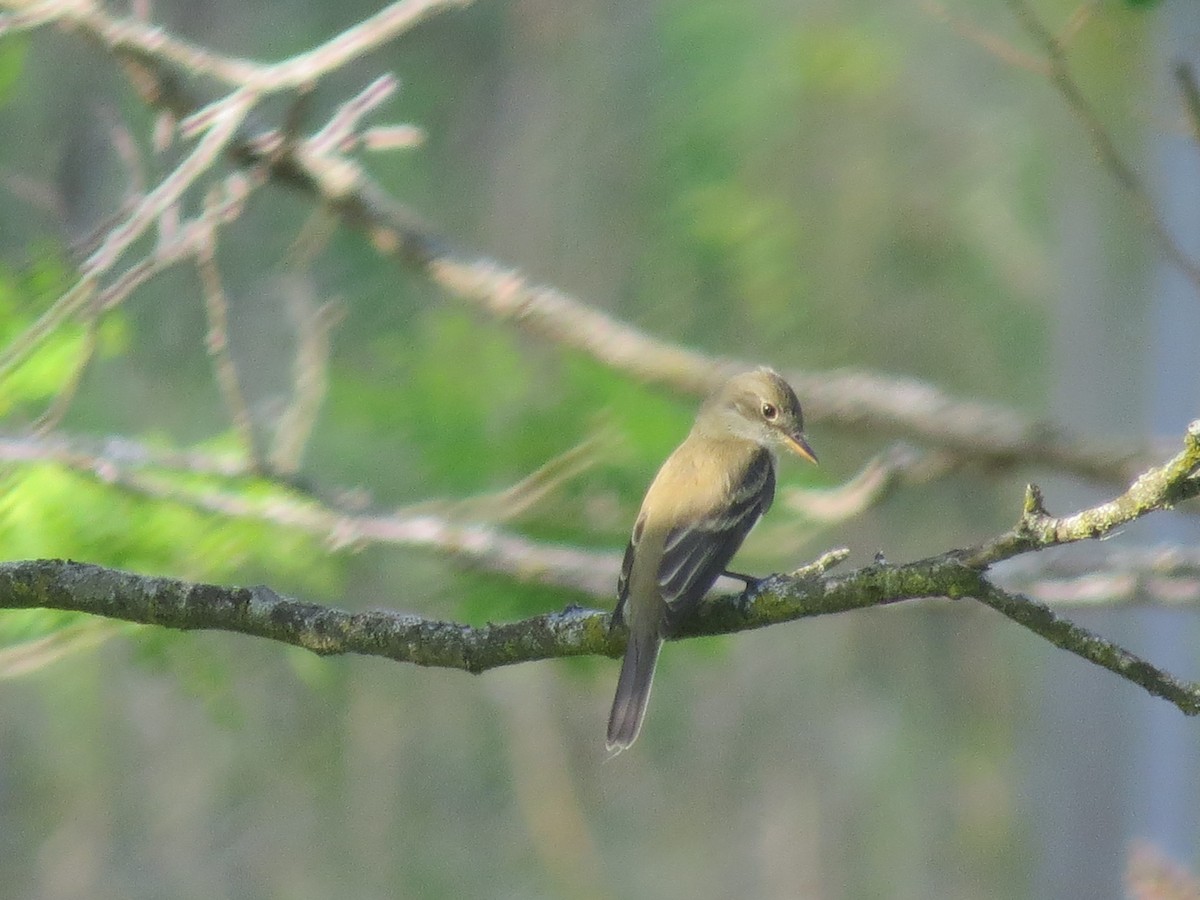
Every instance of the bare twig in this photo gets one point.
(119, 453)
(184, 243)
(898, 465)
(443, 526)
(1101, 140)
(29, 656)
(187, 241)
(219, 121)
(216, 309)
(53, 416)
(403, 136)
(120, 237)
(1159, 488)
(1080, 16)
(987, 41)
(347, 118)
(132, 35)
(1161, 576)
(514, 501)
(310, 379)
(983, 433)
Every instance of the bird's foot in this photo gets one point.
(749, 580)
(749, 592)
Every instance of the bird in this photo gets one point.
(699, 508)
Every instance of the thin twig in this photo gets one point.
(1080, 16)
(310, 379)
(131, 35)
(1154, 575)
(216, 308)
(95, 456)
(185, 242)
(984, 433)
(1044, 622)
(347, 118)
(53, 416)
(987, 41)
(878, 479)
(1102, 142)
(402, 136)
(438, 525)
(120, 237)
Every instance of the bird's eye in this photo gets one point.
(769, 412)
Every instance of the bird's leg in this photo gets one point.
(752, 585)
(749, 580)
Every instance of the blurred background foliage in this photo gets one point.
(812, 184)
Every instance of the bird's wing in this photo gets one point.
(695, 553)
(623, 581)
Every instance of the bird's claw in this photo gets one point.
(750, 581)
(749, 592)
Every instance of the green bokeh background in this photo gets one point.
(813, 184)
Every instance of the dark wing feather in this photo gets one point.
(695, 554)
(623, 582)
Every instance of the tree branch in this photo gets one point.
(573, 632)
(983, 433)
(989, 434)
(1159, 576)
(1058, 72)
(260, 612)
(458, 529)
(1159, 488)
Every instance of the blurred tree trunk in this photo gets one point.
(1081, 778)
(1165, 777)
(1123, 363)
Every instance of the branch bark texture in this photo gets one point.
(956, 574)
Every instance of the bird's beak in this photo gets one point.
(798, 445)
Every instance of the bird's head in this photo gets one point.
(757, 406)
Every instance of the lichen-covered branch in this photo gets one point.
(260, 612)
(1043, 621)
(1158, 488)
(960, 430)
(956, 574)
(463, 529)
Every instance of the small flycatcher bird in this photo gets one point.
(705, 499)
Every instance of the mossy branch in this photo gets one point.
(809, 591)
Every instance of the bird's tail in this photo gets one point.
(633, 689)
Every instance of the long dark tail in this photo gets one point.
(633, 689)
